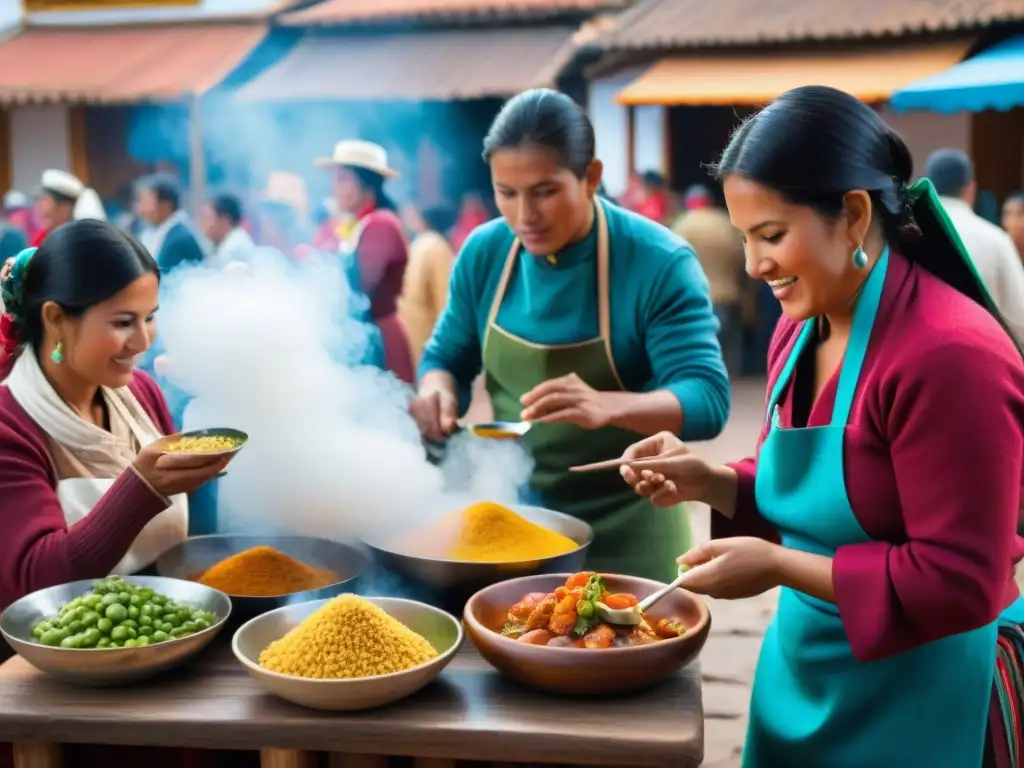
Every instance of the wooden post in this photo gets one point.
(37, 754)
(287, 758)
(630, 142)
(79, 149)
(196, 155)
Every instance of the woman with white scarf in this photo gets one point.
(85, 492)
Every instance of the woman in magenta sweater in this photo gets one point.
(884, 494)
(83, 494)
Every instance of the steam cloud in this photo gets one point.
(332, 449)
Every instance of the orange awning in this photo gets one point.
(721, 79)
(122, 64)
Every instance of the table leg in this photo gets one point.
(287, 758)
(342, 760)
(37, 754)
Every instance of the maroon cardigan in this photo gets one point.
(37, 548)
(933, 460)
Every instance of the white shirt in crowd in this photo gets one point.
(996, 259)
(237, 246)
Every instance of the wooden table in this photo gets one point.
(470, 713)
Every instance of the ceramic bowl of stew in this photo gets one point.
(566, 667)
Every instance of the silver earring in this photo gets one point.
(860, 259)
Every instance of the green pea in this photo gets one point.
(38, 631)
(90, 637)
(76, 626)
(160, 637)
(124, 598)
(142, 640)
(131, 623)
(103, 643)
(159, 599)
(166, 626)
(119, 634)
(74, 641)
(179, 632)
(129, 643)
(132, 633)
(116, 612)
(133, 612)
(173, 620)
(109, 599)
(90, 619)
(201, 624)
(116, 645)
(52, 637)
(156, 610)
(145, 621)
(104, 625)
(100, 588)
(189, 626)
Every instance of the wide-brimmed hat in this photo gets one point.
(360, 154)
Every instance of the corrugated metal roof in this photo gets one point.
(667, 24)
(433, 65)
(204, 10)
(720, 78)
(122, 64)
(359, 11)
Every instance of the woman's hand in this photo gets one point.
(567, 400)
(732, 569)
(436, 412)
(173, 473)
(663, 469)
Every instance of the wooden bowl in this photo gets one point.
(579, 671)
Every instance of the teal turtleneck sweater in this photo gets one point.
(664, 332)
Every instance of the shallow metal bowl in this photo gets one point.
(440, 629)
(109, 666)
(240, 438)
(581, 671)
(454, 581)
(192, 557)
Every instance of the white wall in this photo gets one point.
(40, 139)
(611, 125)
(926, 132)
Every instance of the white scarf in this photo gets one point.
(96, 448)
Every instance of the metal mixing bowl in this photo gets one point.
(193, 556)
(238, 436)
(454, 581)
(109, 666)
(440, 629)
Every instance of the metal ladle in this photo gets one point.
(630, 617)
(505, 430)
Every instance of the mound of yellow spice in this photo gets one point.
(348, 637)
(491, 533)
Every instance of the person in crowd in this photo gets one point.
(221, 223)
(88, 495)
(706, 227)
(376, 247)
(64, 198)
(992, 250)
(13, 229)
(884, 492)
(591, 322)
(652, 197)
(472, 213)
(425, 290)
(170, 237)
(1013, 220)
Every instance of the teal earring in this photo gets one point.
(58, 354)
(860, 259)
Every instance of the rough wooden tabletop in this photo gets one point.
(470, 713)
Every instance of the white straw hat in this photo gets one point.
(360, 154)
(63, 183)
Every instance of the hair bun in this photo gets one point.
(902, 161)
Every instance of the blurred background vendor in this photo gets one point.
(63, 198)
(588, 320)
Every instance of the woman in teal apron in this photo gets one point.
(885, 491)
(588, 320)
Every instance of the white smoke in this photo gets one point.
(333, 451)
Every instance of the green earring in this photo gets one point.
(58, 354)
(860, 259)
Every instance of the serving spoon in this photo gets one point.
(630, 617)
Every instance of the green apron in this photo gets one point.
(631, 535)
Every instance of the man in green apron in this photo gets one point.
(589, 321)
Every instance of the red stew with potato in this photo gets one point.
(568, 618)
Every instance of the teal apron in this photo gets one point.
(632, 536)
(813, 704)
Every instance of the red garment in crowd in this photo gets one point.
(382, 256)
(655, 207)
(38, 237)
(472, 215)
